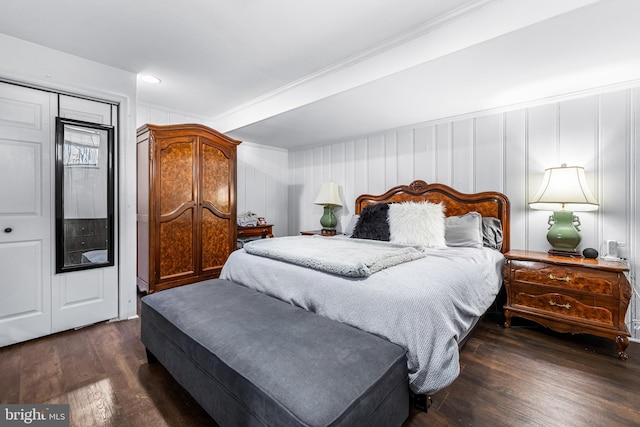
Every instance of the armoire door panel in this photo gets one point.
(215, 240)
(176, 175)
(176, 249)
(215, 178)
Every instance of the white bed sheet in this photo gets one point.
(426, 306)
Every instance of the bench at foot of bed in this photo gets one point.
(250, 359)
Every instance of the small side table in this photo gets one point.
(319, 232)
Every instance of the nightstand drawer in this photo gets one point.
(564, 305)
(259, 231)
(583, 279)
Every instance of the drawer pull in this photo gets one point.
(567, 305)
(562, 279)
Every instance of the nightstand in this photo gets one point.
(576, 295)
(318, 232)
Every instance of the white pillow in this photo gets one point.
(417, 224)
(352, 224)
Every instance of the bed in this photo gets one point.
(428, 304)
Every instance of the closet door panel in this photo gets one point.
(87, 296)
(85, 110)
(26, 176)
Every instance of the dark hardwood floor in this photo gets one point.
(524, 376)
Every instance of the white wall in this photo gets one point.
(262, 170)
(42, 67)
(505, 151)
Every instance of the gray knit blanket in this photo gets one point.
(344, 257)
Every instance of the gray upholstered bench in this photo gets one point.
(252, 360)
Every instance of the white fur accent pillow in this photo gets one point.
(417, 224)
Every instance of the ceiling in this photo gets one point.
(293, 73)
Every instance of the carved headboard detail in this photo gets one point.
(488, 203)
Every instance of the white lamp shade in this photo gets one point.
(564, 188)
(329, 195)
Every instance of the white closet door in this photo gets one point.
(26, 185)
(86, 296)
(34, 301)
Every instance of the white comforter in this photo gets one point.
(425, 305)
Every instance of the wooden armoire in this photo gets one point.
(186, 220)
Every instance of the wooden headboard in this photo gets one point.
(488, 203)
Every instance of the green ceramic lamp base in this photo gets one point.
(328, 220)
(563, 234)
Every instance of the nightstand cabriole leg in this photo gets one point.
(507, 317)
(622, 343)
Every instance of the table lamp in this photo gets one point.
(564, 190)
(329, 197)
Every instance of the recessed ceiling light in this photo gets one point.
(149, 78)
